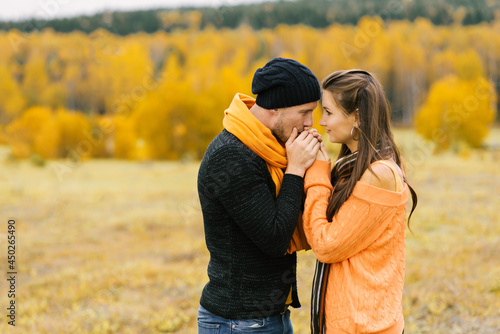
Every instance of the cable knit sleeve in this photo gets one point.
(240, 185)
(357, 224)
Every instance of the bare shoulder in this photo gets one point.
(381, 176)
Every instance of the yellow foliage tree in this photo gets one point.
(125, 138)
(35, 79)
(74, 129)
(51, 134)
(25, 131)
(101, 136)
(457, 111)
(47, 140)
(4, 139)
(13, 102)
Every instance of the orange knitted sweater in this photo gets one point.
(365, 243)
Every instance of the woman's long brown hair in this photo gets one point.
(359, 90)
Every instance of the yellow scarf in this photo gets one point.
(239, 121)
(242, 123)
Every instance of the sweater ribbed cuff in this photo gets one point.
(318, 175)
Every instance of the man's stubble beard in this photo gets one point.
(279, 131)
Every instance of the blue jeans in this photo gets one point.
(209, 323)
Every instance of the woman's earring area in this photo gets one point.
(352, 130)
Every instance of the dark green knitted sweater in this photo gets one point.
(247, 231)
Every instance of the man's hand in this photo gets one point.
(301, 151)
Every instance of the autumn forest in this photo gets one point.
(162, 95)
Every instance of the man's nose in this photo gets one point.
(309, 121)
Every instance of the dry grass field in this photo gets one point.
(118, 247)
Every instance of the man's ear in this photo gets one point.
(273, 112)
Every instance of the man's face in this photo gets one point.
(296, 116)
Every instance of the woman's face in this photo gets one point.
(338, 125)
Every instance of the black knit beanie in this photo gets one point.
(284, 82)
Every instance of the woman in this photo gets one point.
(354, 216)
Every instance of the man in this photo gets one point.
(251, 187)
